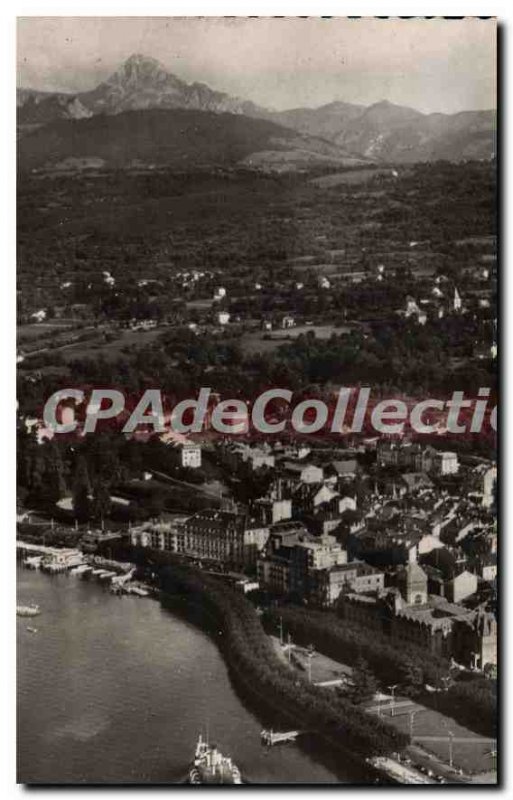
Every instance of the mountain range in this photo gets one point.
(115, 123)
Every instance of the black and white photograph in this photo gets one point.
(257, 349)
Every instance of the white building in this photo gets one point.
(346, 503)
(489, 481)
(462, 586)
(191, 455)
(411, 307)
(428, 543)
(304, 473)
(446, 462)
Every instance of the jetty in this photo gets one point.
(81, 570)
(33, 562)
(118, 575)
(138, 591)
(398, 772)
(270, 737)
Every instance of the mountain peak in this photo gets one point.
(385, 110)
(137, 59)
(141, 63)
(143, 82)
(140, 69)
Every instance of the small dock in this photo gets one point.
(400, 773)
(270, 737)
(82, 569)
(33, 562)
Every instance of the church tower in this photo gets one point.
(414, 585)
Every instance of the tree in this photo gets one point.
(412, 674)
(364, 682)
(156, 503)
(101, 504)
(54, 484)
(81, 491)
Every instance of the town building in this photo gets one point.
(436, 625)
(292, 556)
(226, 538)
(190, 455)
(461, 587)
(413, 584)
(303, 472)
(328, 583)
(416, 458)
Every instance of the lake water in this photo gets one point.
(116, 690)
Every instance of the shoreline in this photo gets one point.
(246, 672)
(201, 617)
(255, 701)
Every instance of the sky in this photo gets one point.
(430, 65)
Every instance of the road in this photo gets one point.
(398, 707)
(197, 487)
(455, 739)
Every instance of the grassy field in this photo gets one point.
(266, 342)
(110, 350)
(352, 178)
(27, 333)
(472, 756)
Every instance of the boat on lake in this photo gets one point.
(210, 766)
(28, 611)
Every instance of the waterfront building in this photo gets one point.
(224, 537)
(92, 540)
(158, 534)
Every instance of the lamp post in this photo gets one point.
(310, 654)
(412, 716)
(451, 737)
(392, 688)
(493, 754)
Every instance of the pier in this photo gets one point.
(401, 773)
(270, 737)
(119, 575)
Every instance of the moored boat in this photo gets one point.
(28, 611)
